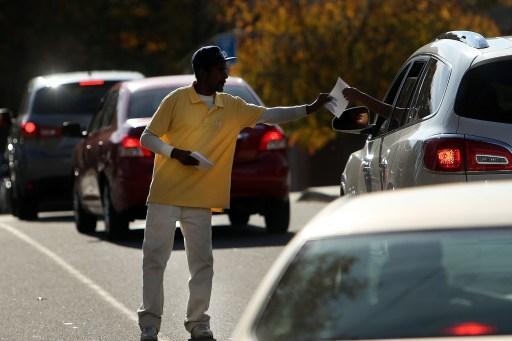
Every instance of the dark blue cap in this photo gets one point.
(208, 56)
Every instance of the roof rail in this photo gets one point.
(469, 38)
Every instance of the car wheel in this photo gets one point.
(115, 223)
(84, 221)
(277, 215)
(238, 218)
(24, 207)
(5, 200)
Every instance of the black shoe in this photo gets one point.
(149, 334)
(201, 332)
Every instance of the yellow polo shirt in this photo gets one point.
(184, 121)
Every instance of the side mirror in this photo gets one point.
(5, 118)
(354, 120)
(72, 129)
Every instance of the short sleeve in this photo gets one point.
(163, 116)
(248, 114)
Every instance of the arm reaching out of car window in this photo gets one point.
(356, 95)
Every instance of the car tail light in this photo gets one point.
(273, 139)
(92, 82)
(458, 154)
(470, 328)
(31, 129)
(130, 147)
(483, 156)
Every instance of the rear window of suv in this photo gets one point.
(485, 93)
(70, 98)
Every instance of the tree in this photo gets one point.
(289, 50)
(152, 36)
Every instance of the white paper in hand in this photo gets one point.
(338, 103)
(204, 163)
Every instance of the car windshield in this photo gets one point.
(145, 102)
(485, 93)
(69, 99)
(401, 285)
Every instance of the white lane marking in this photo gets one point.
(75, 273)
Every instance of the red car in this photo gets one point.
(112, 172)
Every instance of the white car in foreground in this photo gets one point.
(425, 262)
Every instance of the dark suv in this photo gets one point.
(39, 156)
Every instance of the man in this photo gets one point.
(193, 135)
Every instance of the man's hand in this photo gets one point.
(318, 103)
(184, 157)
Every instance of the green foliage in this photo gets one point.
(152, 36)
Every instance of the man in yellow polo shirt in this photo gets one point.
(193, 134)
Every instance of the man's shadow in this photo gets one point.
(223, 237)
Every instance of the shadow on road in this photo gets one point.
(55, 219)
(224, 237)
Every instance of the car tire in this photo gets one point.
(5, 196)
(85, 222)
(238, 218)
(24, 207)
(116, 224)
(277, 215)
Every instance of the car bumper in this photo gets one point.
(265, 177)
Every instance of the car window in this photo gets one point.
(145, 102)
(405, 95)
(485, 93)
(242, 92)
(433, 87)
(109, 109)
(97, 118)
(381, 124)
(399, 285)
(69, 99)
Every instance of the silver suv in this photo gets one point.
(450, 120)
(39, 156)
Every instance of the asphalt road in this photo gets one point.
(59, 285)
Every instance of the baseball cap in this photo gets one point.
(207, 56)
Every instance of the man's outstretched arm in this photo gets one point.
(277, 115)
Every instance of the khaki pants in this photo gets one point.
(158, 242)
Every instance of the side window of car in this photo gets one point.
(96, 121)
(381, 124)
(432, 90)
(109, 109)
(404, 98)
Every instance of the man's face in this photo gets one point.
(216, 77)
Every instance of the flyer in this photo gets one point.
(339, 103)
